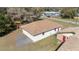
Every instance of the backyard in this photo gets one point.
(47, 44)
(8, 42)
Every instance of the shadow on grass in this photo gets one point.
(59, 46)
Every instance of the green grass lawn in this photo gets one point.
(50, 43)
(47, 44)
(65, 25)
(8, 43)
(68, 19)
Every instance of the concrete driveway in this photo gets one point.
(22, 40)
(72, 44)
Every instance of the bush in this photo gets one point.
(6, 25)
(68, 12)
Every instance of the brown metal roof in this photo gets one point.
(38, 27)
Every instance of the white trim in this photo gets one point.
(40, 36)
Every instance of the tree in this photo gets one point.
(68, 12)
(37, 10)
(6, 25)
(33, 14)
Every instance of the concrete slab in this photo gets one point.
(22, 40)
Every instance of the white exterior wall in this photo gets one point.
(40, 36)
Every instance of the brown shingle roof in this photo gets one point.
(38, 27)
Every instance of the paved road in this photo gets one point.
(72, 22)
(22, 40)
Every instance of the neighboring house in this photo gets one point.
(40, 29)
(50, 14)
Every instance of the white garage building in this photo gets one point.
(40, 29)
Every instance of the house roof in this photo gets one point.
(41, 26)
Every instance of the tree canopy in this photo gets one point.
(6, 25)
(68, 12)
